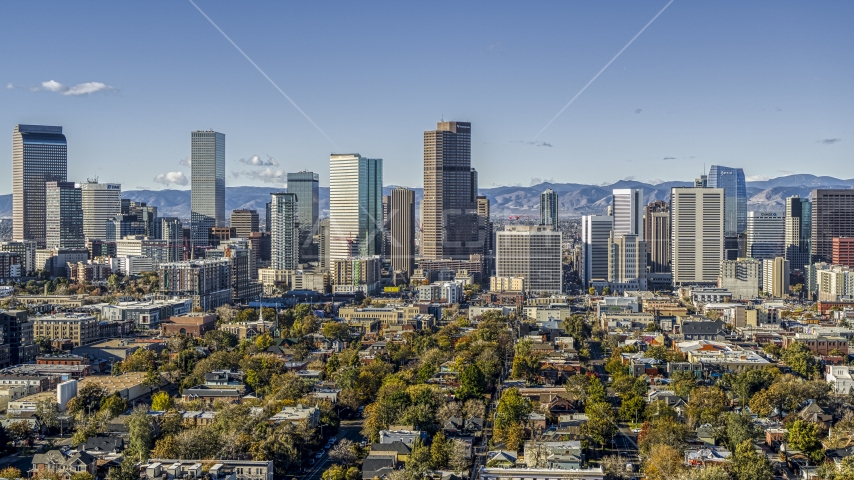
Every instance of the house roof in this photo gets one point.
(397, 447)
(702, 328)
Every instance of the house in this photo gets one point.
(774, 437)
(704, 330)
(102, 445)
(158, 468)
(501, 473)
(212, 394)
(554, 455)
(55, 461)
(399, 450)
(406, 436)
(815, 414)
(707, 456)
(501, 459)
(297, 414)
(378, 466)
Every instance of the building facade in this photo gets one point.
(766, 235)
(207, 282)
(64, 216)
(628, 211)
(733, 183)
(284, 233)
(207, 197)
(355, 206)
(832, 216)
(244, 222)
(775, 277)
(697, 234)
(843, 251)
(532, 253)
(39, 155)
(402, 230)
(100, 202)
(595, 238)
(305, 185)
(742, 278)
(656, 235)
(549, 208)
(798, 238)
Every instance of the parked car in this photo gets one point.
(319, 455)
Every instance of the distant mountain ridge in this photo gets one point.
(575, 199)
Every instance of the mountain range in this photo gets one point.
(575, 199)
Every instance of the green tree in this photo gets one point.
(162, 401)
(140, 436)
(665, 431)
(47, 411)
(114, 405)
(526, 364)
(419, 460)
(126, 471)
(748, 464)
(336, 330)
(472, 383)
(82, 476)
(803, 436)
(88, 399)
(10, 472)
(801, 360)
(739, 429)
(263, 341)
(513, 409)
(632, 408)
(440, 451)
(577, 328)
(706, 405)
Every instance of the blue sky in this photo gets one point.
(761, 85)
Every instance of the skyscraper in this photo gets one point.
(775, 277)
(532, 253)
(449, 208)
(284, 236)
(305, 186)
(39, 155)
(656, 234)
(732, 181)
(244, 222)
(798, 232)
(207, 198)
(595, 238)
(401, 221)
(766, 235)
(100, 202)
(628, 211)
(832, 216)
(696, 234)
(549, 208)
(355, 206)
(64, 222)
(172, 233)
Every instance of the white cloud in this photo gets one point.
(186, 161)
(10, 86)
(178, 178)
(256, 161)
(76, 90)
(757, 178)
(266, 175)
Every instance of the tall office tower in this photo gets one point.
(100, 202)
(284, 237)
(306, 186)
(355, 206)
(144, 214)
(532, 253)
(656, 235)
(39, 155)
(626, 262)
(386, 227)
(267, 218)
(731, 180)
(172, 233)
(244, 222)
(742, 278)
(832, 216)
(207, 183)
(798, 232)
(595, 239)
(549, 208)
(628, 211)
(449, 209)
(486, 233)
(402, 230)
(766, 235)
(775, 276)
(696, 234)
(323, 244)
(64, 220)
(843, 251)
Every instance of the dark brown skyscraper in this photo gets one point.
(832, 216)
(401, 220)
(656, 234)
(450, 194)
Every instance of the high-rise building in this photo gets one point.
(100, 202)
(207, 181)
(207, 282)
(18, 336)
(64, 220)
(144, 214)
(549, 208)
(39, 155)
(742, 278)
(386, 227)
(355, 206)
(486, 233)
(832, 216)
(626, 262)
(732, 181)
(798, 237)
(775, 277)
(532, 253)
(323, 244)
(244, 222)
(843, 251)
(628, 211)
(595, 239)
(766, 235)
(696, 234)
(656, 235)
(284, 234)
(356, 274)
(306, 187)
(449, 208)
(26, 250)
(172, 233)
(401, 219)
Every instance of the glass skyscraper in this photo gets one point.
(735, 206)
(39, 155)
(355, 206)
(305, 186)
(207, 198)
(284, 234)
(549, 208)
(64, 219)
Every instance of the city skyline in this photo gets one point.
(675, 106)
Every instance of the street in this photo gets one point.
(351, 431)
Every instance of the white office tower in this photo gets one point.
(697, 234)
(532, 253)
(355, 206)
(207, 183)
(775, 277)
(100, 202)
(798, 232)
(766, 235)
(284, 232)
(742, 278)
(626, 263)
(628, 211)
(595, 239)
